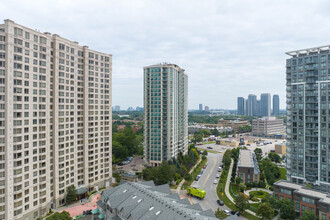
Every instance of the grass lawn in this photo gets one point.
(254, 206)
(194, 174)
(211, 151)
(259, 194)
(221, 185)
(208, 142)
(283, 173)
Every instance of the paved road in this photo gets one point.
(206, 183)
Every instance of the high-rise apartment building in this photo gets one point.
(308, 112)
(200, 107)
(265, 102)
(165, 113)
(252, 105)
(206, 108)
(117, 108)
(55, 120)
(276, 105)
(240, 105)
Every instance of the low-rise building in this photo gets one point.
(304, 198)
(198, 127)
(132, 200)
(267, 127)
(280, 149)
(247, 167)
(234, 124)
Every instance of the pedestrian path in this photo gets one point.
(183, 180)
(227, 187)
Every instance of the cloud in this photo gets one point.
(229, 48)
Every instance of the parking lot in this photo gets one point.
(265, 148)
(136, 165)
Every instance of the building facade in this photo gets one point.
(55, 126)
(200, 107)
(276, 105)
(308, 87)
(234, 124)
(265, 104)
(240, 106)
(304, 199)
(252, 105)
(165, 113)
(206, 108)
(267, 126)
(247, 167)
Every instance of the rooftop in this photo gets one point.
(247, 158)
(147, 201)
(325, 197)
(308, 50)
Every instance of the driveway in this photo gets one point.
(136, 165)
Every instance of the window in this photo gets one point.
(18, 31)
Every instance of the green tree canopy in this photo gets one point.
(274, 157)
(241, 203)
(287, 209)
(308, 215)
(197, 138)
(71, 194)
(265, 211)
(60, 216)
(258, 153)
(272, 201)
(220, 214)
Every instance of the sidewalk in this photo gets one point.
(227, 187)
(191, 170)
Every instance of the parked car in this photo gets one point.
(227, 212)
(204, 167)
(209, 147)
(233, 212)
(200, 173)
(220, 202)
(217, 176)
(215, 181)
(197, 178)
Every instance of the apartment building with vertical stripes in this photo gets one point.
(55, 120)
(165, 113)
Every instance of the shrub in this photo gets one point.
(271, 188)
(262, 184)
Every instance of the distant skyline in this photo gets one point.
(228, 48)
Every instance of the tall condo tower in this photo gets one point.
(55, 120)
(308, 113)
(165, 113)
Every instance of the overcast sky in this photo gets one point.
(228, 48)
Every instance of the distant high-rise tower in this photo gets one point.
(55, 120)
(207, 108)
(265, 103)
(200, 107)
(240, 105)
(276, 105)
(246, 104)
(308, 133)
(117, 108)
(252, 105)
(165, 113)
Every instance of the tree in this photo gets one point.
(71, 194)
(205, 153)
(220, 214)
(258, 153)
(242, 203)
(226, 159)
(215, 132)
(265, 211)
(60, 216)
(270, 170)
(272, 201)
(274, 157)
(287, 209)
(197, 138)
(308, 215)
(238, 180)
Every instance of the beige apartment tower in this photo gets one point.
(55, 120)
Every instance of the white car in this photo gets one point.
(215, 181)
(217, 176)
(227, 212)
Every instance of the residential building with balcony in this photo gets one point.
(308, 113)
(55, 120)
(165, 113)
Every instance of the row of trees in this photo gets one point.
(245, 129)
(174, 169)
(206, 119)
(126, 143)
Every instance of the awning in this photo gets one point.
(81, 191)
(95, 211)
(101, 216)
